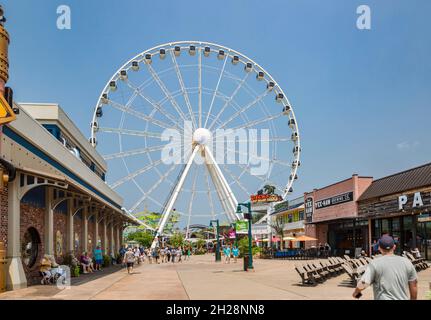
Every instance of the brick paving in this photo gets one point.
(202, 278)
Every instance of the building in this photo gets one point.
(290, 215)
(331, 215)
(400, 205)
(54, 199)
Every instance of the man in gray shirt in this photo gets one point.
(393, 277)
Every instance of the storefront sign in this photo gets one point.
(342, 198)
(241, 227)
(265, 198)
(309, 208)
(417, 201)
(424, 218)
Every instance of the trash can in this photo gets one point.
(246, 259)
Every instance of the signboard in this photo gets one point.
(254, 198)
(309, 208)
(232, 234)
(241, 227)
(424, 217)
(342, 198)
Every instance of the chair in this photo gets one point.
(306, 277)
(313, 272)
(354, 276)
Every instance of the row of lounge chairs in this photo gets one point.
(419, 263)
(315, 272)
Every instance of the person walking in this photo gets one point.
(173, 254)
(168, 254)
(392, 277)
(129, 260)
(137, 254)
(235, 253)
(227, 252)
(162, 254)
(180, 254)
(189, 253)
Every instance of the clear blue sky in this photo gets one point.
(362, 98)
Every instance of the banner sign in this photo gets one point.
(254, 198)
(241, 227)
(232, 234)
(342, 198)
(424, 217)
(309, 208)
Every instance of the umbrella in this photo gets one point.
(289, 238)
(305, 238)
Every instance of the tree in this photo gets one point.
(277, 225)
(152, 220)
(269, 189)
(176, 240)
(144, 238)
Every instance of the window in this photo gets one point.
(301, 215)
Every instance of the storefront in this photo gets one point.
(331, 215)
(400, 205)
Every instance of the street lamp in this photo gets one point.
(217, 253)
(248, 216)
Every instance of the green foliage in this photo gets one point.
(176, 240)
(76, 271)
(152, 219)
(200, 243)
(269, 189)
(243, 247)
(106, 261)
(144, 238)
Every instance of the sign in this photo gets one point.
(241, 227)
(232, 234)
(417, 201)
(265, 198)
(342, 198)
(424, 218)
(309, 208)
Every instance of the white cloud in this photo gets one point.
(407, 145)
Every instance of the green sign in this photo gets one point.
(241, 227)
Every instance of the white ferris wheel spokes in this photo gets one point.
(211, 89)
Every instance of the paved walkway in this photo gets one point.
(202, 278)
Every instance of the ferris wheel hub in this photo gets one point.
(202, 136)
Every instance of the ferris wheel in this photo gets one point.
(187, 123)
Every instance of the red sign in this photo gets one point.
(265, 198)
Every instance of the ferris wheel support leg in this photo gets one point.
(167, 210)
(220, 192)
(230, 195)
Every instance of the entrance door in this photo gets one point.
(424, 239)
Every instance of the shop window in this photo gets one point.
(30, 247)
(301, 215)
(290, 218)
(385, 226)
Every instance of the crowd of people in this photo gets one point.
(137, 255)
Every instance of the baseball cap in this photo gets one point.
(386, 242)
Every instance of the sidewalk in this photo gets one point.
(202, 278)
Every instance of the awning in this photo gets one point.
(305, 238)
(289, 238)
(274, 239)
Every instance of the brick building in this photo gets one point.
(331, 215)
(56, 201)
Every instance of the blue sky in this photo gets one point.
(361, 97)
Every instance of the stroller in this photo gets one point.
(52, 275)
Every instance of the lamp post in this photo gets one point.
(248, 216)
(217, 253)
